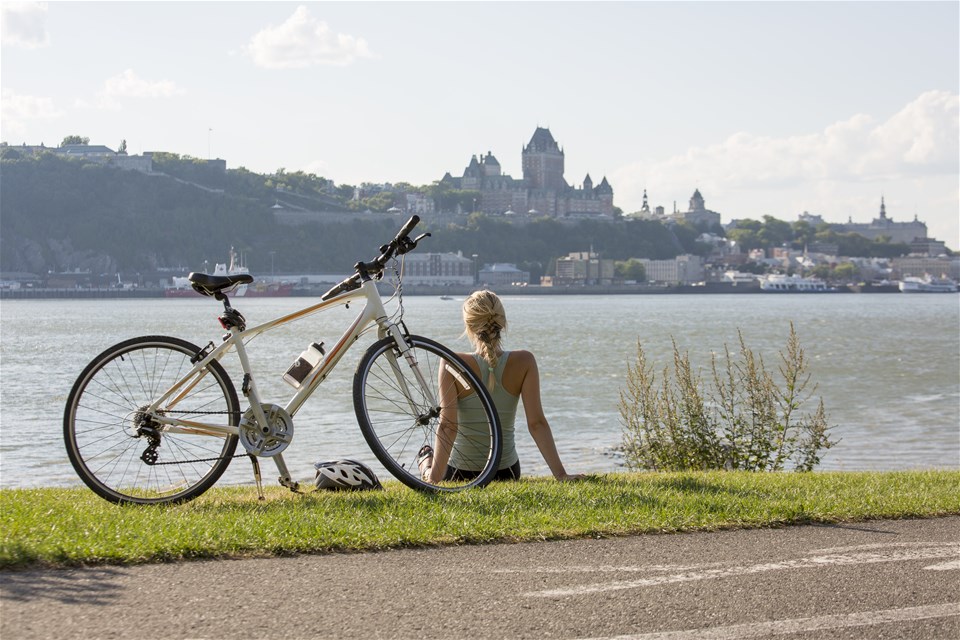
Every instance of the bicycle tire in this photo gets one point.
(396, 424)
(106, 443)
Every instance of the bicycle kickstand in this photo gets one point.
(256, 476)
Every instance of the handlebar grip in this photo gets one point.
(408, 227)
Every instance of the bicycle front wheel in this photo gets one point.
(116, 447)
(397, 400)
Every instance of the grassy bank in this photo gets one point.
(64, 527)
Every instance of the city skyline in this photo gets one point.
(766, 108)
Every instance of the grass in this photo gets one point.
(71, 527)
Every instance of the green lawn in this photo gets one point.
(64, 527)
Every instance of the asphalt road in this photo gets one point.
(882, 579)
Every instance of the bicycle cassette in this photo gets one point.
(270, 439)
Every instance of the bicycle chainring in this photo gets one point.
(270, 439)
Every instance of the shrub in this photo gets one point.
(747, 420)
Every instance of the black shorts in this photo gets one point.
(510, 473)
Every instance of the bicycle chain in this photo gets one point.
(206, 413)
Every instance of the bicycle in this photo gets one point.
(156, 419)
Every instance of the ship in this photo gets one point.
(776, 283)
(928, 284)
(181, 287)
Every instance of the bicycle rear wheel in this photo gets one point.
(399, 411)
(115, 447)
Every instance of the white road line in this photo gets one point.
(877, 545)
(952, 565)
(608, 568)
(895, 554)
(802, 625)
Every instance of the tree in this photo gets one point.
(746, 239)
(845, 272)
(803, 233)
(775, 232)
(631, 269)
(74, 140)
(122, 149)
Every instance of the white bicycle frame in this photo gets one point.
(372, 312)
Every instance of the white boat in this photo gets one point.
(738, 277)
(777, 283)
(928, 284)
(182, 287)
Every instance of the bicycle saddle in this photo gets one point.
(208, 285)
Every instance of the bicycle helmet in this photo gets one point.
(339, 475)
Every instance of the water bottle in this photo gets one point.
(308, 361)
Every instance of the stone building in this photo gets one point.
(684, 269)
(697, 214)
(542, 190)
(918, 266)
(437, 269)
(502, 273)
(584, 268)
(905, 232)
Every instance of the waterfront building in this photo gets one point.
(583, 268)
(437, 269)
(919, 266)
(684, 269)
(542, 191)
(502, 273)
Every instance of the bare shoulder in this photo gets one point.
(470, 360)
(521, 374)
(519, 364)
(522, 358)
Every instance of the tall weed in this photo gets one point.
(747, 420)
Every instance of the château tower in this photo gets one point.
(542, 191)
(543, 162)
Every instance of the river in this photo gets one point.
(887, 366)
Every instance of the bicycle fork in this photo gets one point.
(406, 350)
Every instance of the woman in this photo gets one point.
(509, 376)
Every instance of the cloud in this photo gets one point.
(922, 140)
(317, 167)
(24, 24)
(129, 85)
(919, 140)
(15, 109)
(303, 41)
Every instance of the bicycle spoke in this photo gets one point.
(397, 414)
(123, 454)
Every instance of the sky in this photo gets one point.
(768, 108)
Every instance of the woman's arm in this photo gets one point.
(537, 421)
(447, 429)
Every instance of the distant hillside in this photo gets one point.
(60, 214)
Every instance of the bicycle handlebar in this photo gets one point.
(400, 245)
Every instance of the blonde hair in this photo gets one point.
(485, 321)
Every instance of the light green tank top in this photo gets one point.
(470, 448)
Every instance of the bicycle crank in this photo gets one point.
(269, 439)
